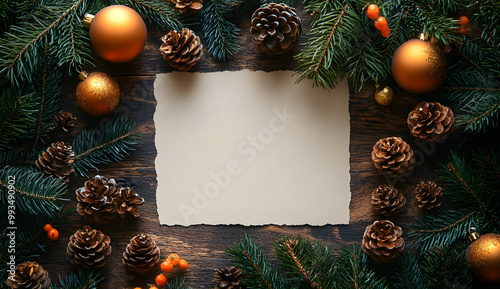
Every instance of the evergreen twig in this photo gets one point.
(82, 279)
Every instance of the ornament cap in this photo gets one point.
(87, 20)
(423, 36)
(83, 75)
(473, 234)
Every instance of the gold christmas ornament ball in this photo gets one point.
(97, 94)
(483, 257)
(384, 96)
(117, 33)
(419, 66)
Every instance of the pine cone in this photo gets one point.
(141, 254)
(182, 49)
(187, 6)
(64, 120)
(57, 161)
(275, 28)
(88, 248)
(428, 195)
(382, 241)
(126, 201)
(387, 200)
(392, 155)
(28, 275)
(430, 121)
(96, 200)
(228, 278)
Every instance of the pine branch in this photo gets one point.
(444, 229)
(15, 112)
(221, 35)
(46, 98)
(177, 283)
(20, 49)
(406, 273)
(255, 265)
(101, 146)
(14, 158)
(82, 279)
(446, 268)
(324, 58)
(482, 116)
(310, 265)
(157, 13)
(354, 271)
(33, 193)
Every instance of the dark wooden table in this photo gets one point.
(203, 246)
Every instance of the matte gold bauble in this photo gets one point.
(483, 256)
(117, 33)
(384, 96)
(419, 66)
(97, 94)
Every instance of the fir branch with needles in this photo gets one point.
(34, 193)
(19, 158)
(108, 144)
(221, 35)
(157, 13)
(15, 116)
(81, 279)
(406, 274)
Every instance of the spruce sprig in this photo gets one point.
(81, 279)
(108, 144)
(256, 266)
(221, 35)
(406, 273)
(15, 117)
(157, 13)
(34, 194)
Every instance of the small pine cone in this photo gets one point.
(126, 201)
(430, 121)
(275, 28)
(187, 6)
(387, 200)
(182, 50)
(96, 200)
(382, 241)
(64, 120)
(428, 195)
(28, 275)
(141, 254)
(88, 248)
(392, 155)
(57, 161)
(228, 278)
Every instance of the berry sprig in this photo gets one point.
(463, 22)
(380, 22)
(167, 267)
(52, 233)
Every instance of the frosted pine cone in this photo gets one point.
(57, 161)
(141, 254)
(29, 275)
(392, 155)
(96, 200)
(88, 248)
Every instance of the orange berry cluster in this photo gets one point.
(463, 22)
(380, 22)
(52, 233)
(167, 266)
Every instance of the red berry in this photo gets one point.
(386, 32)
(463, 30)
(381, 23)
(161, 280)
(53, 234)
(372, 11)
(167, 267)
(183, 264)
(173, 259)
(464, 20)
(47, 227)
(153, 287)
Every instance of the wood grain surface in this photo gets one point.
(203, 246)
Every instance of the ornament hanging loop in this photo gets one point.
(473, 234)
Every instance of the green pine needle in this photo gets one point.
(177, 283)
(15, 117)
(82, 279)
(221, 35)
(15, 158)
(34, 194)
(157, 13)
(406, 273)
(101, 146)
(255, 265)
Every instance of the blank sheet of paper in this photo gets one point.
(251, 148)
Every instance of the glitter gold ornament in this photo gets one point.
(98, 93)
(483, 256)
(384, 96)
(419, 66)
(117, 33)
